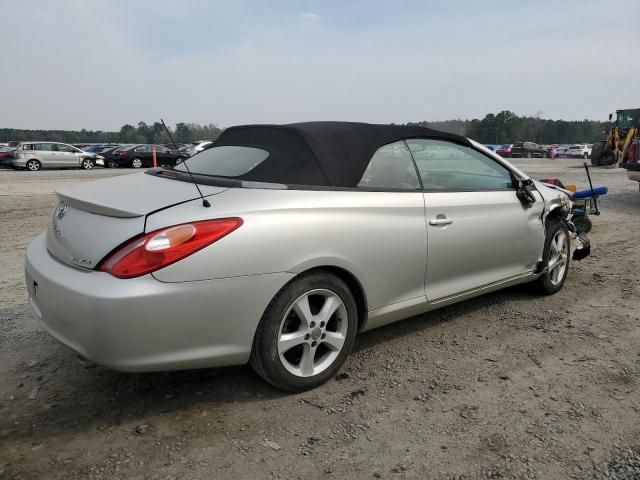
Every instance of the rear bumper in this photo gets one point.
(142, 324)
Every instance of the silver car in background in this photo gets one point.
(280, 243)
(34, 156)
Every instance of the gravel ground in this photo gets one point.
(508, 385)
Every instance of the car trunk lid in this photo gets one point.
(94, 218)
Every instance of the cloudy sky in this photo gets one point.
(100, 64)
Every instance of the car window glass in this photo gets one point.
(225, 161)
(448, 166)
(142, 148)
(44, 147)
(66, 149)
(391, 167)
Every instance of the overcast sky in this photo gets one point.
(100, 64)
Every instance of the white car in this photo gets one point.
(579, 150)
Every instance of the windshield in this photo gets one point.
(225, 161)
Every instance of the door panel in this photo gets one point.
(47, 155)
(478, 238)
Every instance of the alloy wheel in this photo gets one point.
(312, 333)
(136, 163)
(33, 165)
(558, 254)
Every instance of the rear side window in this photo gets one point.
(44, 147)
(391, 167)
(225, 161)
(448, 166)
(66, 149)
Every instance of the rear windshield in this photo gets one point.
(518, 145)
(225, 161)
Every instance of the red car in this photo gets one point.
(505, 150)
(6, 156)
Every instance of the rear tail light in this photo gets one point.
(124, 154)
(160, 248)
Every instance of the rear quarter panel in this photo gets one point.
(379, 237)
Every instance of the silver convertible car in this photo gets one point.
(278, 244)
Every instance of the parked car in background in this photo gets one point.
(315, 232)
(504, 150)
(200, 146)
(527, 150)
(562, 151)
(100, 147)
(36, 155)
(111, 155)
(492, 146)
(6, 156)
(138, 156)
(579, 150)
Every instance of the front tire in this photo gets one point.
(555, 258)
(87, 164)
(112, 164)
(306, 333)
(596, 151)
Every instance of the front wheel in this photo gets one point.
(555, 258)
(528, 155)
(87, 164)
(112, 163)
(306, 333)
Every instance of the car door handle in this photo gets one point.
(440, 221)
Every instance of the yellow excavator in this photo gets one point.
(613, 151)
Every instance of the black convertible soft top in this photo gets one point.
(333, 154)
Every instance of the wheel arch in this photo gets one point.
(352, 281)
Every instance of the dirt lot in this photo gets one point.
(509, 385)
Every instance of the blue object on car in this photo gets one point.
(588, 193)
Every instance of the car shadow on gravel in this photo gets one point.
(74, 399)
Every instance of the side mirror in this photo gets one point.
(610, 116)
(524, 190)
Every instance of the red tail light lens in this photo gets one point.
(161, 248)
(124, 154)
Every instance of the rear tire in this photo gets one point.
(136, 163)
(298, 347)
(555, 257)
(33, 165)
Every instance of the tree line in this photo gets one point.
(507, 127)
(503, 127)
(142, 133)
